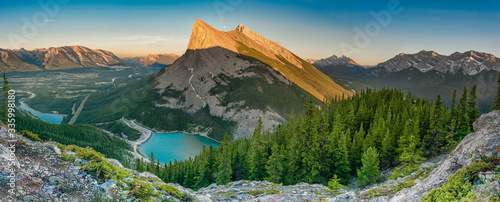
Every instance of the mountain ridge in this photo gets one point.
(470, 62)
(57, 58)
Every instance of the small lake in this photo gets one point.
(170, 146)
(51, 118)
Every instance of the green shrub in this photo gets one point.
(31, 136)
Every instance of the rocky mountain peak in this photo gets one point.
(336, 61)
(205, 36)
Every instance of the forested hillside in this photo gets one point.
(317, 145)
(80, 135)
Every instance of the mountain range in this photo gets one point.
(156, 60)
(425, 74)
(56, 58)
(224, 82)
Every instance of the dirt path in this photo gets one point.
(77, 113)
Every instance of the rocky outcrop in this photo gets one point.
(470, 62)
(483, 142)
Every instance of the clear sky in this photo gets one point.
(309, 28)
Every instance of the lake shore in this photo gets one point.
(147, 133)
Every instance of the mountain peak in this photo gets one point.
(205, 36)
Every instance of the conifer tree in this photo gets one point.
(225, 172)
(472, 105)
(463, 122)
(370, 170)
(274, 167)
(410, 154)
(436, 130)
(258, 155)
(496, 104)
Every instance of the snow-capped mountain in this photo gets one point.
(334, 61)
(469, 63)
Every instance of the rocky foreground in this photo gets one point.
(51, 172)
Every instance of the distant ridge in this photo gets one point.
(469, 63)
(56, 58)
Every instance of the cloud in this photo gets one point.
(49, 20)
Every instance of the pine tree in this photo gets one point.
(410, 154)
(257, 157)
(370, 170)
(436, 131)
(357, 147)
(274, 167)
(472, 105)
(5, 99)
(463, 122)
(453, 104)
(225, 172)
(496, 104)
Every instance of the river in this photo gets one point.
(51, 118)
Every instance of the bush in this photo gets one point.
(31, 136)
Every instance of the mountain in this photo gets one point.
(425, 74)
(468, 63)
(334, 61)
(57, 58)
(157, 60)
(9, 62)
(224, 82)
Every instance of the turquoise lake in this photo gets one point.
(51, 118)
(170, 146)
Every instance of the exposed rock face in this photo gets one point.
(65, 57)
(335, 61)
(470, 62)
(484, 141)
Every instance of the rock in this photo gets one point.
(6, 155)
(148, 175)
(115, 163)
(486, 191)
(108, 185)
(81, 161)
(484, 141)
(54, 180)
(70, 153)
(488, 122)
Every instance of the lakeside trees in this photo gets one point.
(337, 139)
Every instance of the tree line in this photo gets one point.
(345, 138)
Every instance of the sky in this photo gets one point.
(369, 31)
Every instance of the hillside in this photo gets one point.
(224, 82)
(56, 58)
